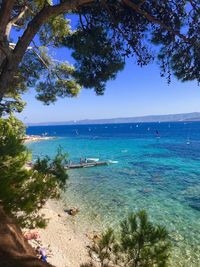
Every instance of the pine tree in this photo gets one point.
(139, 243)
(24, 191)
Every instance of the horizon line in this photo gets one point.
(112, 119)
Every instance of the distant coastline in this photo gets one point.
(185, 117)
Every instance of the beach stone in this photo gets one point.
(72, 211)
(93, 236)
(94, 256)
(96, 237)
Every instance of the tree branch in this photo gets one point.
(81, 21)
(40, 58)
(194, 6)
(19, 16)
(141, 3)
(14, 20)
(33, 27)
(41, 18)
(118, 28)
(154, 20)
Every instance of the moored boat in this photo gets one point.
(91, 160)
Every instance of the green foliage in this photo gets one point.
(57, 79)
(103, 248)
(53, 32)
(51, 79)
(40, 3)
(96, 60)
(143, 243)
(54, 168)
(10, 105)
(24, 191)
(105, 34)
(139, 243)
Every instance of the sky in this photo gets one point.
(135, 92)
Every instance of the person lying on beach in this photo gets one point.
(42, 254)
(31, 235)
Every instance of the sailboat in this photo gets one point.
(188, 141)
(188, 138)
(157, 134)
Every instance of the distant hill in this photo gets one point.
(195, 116)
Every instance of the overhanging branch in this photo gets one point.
(154, 20)
(41, 18)
(14, 20)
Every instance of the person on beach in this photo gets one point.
(42, 254)
(32, 235)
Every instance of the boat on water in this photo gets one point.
(157, 134)
(188, 142)
(112, 161)
(86, 165)
(91, 160)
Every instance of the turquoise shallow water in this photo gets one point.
(161, 175)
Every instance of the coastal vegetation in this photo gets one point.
(138, 243)
(24, 191)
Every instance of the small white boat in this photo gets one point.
(92, 160)
(188, 142)
(112, 161)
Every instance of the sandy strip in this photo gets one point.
(67, 243)
(37, 138)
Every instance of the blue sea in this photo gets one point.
(157, 168)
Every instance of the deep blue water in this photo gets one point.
(161, 175)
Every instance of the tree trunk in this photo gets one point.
(5, 13)
(7, 76)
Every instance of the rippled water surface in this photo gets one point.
(161, 175)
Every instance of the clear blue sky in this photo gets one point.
(136, 91)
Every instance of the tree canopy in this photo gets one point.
(106, 33)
